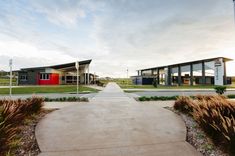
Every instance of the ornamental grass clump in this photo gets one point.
(184, 104)
(215, 115)
(12, 114)
(217, 118)
(10, 117)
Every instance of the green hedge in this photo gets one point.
(68, 99)
(232, 96)
(157, 98)
(165, 98)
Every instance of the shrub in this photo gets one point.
(214, 114)
(12, 114)
(70, 99)
(46, 99)
(35, 104)
(143, 98)
(216, 117)
(231, 96)
(157, 98)
(84, 99)
(155, 83)
(147, 98)
(184, 104)
(220, 89)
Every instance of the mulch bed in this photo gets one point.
(28, 143)
(197, 137)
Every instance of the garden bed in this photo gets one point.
(25, 142)
(166, 98)
(67, 99)
(210, 123)
(197, 137)
(18, 119)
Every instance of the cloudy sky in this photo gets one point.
(116, 34)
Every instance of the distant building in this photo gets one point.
(61, 74)
(201, 72)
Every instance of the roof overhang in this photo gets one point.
(66, 66)
(187, 63)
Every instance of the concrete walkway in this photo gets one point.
(113, 124)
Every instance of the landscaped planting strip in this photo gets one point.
(166, 98)
(67, 99)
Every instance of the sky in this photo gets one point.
(116, 34)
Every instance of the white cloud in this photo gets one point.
(26, 55)
(116, 34)
(63, 12)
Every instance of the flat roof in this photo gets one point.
(187, 63)
(59, 66)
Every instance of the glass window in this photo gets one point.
(162, 77)
(23, 77)
(174, 76)
(44, 76)
(185, 74)
(147, 72)
(197, 74)
(209, 68)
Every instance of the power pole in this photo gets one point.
(77, 67)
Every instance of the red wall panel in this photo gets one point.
(53, 80)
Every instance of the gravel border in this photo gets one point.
(197, 137)
(28, 145)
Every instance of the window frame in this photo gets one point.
(24, 77)
(44, 76)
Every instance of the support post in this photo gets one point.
(169, 76)
(85, 75)
(179, 75)
(77, 67)
(88, 75)
(65, 79)
(158, 76)
(225, 74)
(203, 73)
(191, 74)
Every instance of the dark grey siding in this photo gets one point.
(31, 76)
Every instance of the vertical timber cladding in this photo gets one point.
(219, 71)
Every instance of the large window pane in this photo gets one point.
(185, 75)
(174, 76)
(197, 74)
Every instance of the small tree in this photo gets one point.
(220, 89)
(155, 83)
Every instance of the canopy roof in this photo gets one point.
(66, 66)
(188, 63)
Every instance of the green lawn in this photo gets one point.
(5, 81)
(46, 89)
(119, 81)
(170, 87)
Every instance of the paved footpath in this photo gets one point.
(112, 124)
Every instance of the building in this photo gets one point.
(201, 72)
(61, 74)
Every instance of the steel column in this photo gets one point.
(191, 74)
(179, 75)
(203, 73)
